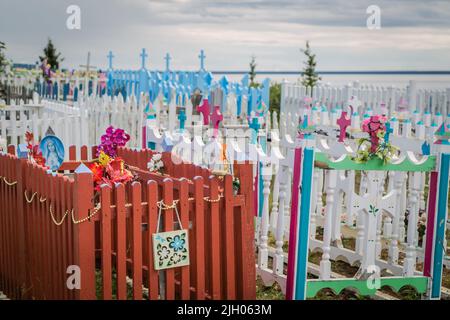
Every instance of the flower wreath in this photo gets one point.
(375, 145)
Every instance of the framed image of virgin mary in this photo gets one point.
(53, 152)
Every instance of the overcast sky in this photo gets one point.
(413, 35)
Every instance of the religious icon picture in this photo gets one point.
(53, 152)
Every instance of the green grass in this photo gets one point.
(99, 286)
(268, 293)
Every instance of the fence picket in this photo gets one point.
(214, 240)
(137, 240)
(152, 216)
(121, 263)
(168, 226)
(106, 242)
(227, 241)
(199, 236)
(183, 195)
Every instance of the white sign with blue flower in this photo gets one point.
(170, 249)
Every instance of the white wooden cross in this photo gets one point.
(202, 60)
(110, 60)
(371, 205)
(88, 68)
(167, 58)
(143, 55)
(355, 103)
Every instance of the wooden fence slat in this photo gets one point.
(71, 230)
(152, 211)
(184, 217)
(106, 242)
(199, 236)
(64, 236)
(246, 235)
(84, 232)
(214, 238)
(45, 275)
(137, 240)
(168, 226)
(72, 153)
(84, 153)
(228, 254)
(6, 212)
(2, 226)
(53, 238)
(3, 232)
(121, 243)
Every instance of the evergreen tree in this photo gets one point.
(309, 76)
(252, 73)
(2, 56)
(2, 68)
(53, 58)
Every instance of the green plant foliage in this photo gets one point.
(53, 57)
(309, 76)
(252, 73)
(385, 151)
(275, 97)
(2, 57)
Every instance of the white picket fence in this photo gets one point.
(82, 123)
(15, 121)
(335, 193)
(370, 97)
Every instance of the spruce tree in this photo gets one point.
(310, 76)
(2, 68)
(2, 56)
(53, 58)
(252, 73)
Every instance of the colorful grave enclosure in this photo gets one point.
(317, 197)
(170, 84)
(48, 221)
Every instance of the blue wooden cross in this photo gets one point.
(389, 130)
(224, 83)
(182, 119)
(202, 59)
(167, 58)
(255, 126)
(143, 56)
(110, 59)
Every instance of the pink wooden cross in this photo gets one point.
(216, 118)
(343, 122)
(204, 109)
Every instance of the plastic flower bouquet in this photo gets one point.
(156, 164)
(376, 145)
(109, 168)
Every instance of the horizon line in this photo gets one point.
(351, 72)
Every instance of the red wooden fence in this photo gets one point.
(51, 221)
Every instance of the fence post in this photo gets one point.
(439, 227)
(412, 95)
(283, 94)
(290, 281)
(302, 241)
(84, 240)
(248, 278)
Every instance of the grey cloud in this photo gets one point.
(230, 31)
